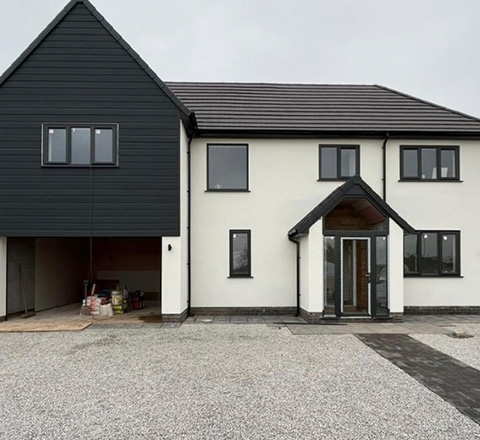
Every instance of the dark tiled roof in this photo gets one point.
(316, 108)
(354, 187)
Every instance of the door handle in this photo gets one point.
(368, 277)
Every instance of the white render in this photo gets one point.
(174, 261)
(3, 277)
(283, 188)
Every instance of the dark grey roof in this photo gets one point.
(26, 53)
(316, 108)
(354, 187)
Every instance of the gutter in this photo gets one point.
(297, 243)
(384, 165)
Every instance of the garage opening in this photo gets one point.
(51, 272)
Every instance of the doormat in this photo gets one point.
(38, 326)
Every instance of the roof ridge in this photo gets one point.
(424, 101)
(109, 28)
(270, 83)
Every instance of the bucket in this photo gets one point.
(117, 298)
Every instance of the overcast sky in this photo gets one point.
(428, 48)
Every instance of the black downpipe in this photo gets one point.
(293, 240)
(189, 224)
(384, 178)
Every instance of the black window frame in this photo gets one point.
(248, 274)
(247, 167)
(339, 148)
(68, 127)
(438, 149)
(439, 256)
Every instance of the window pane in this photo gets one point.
(329, 286)
(410, 253)
(448, 164)
(429, 163)
(57, 145)
(410, 163)
(240, 254)
(429, 259)
(81, 146)
(227, 167)
(449, 253)
(349, 162)
(381, 275)
(328, 162)
(104, 145)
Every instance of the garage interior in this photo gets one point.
(51, 272)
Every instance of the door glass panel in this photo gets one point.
(355, 277)
(330, 271)
(348, 157)
(429, 254)
(429, 163)
(448, 164)
(381, 276)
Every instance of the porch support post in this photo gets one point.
(3, 278)
(396, 284)
(174, 279)
(315, 269)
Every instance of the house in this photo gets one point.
(322, 200)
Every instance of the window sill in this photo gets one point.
(240, 276)
(432, 180)
(415, 275)
(227, 190)
(80, 166)
(335, 179)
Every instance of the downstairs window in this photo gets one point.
(432, 253)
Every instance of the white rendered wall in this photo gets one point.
(304, 273)
(283, 189)
(395, 262)
(174, 262)
(3, 277)
(442, 206)
(315, 268)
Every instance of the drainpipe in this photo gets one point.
(384, 178)
(189, 223)
(297, 243)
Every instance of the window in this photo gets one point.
(240, 260)
(80, 145)
(429, 163)
(227, 167)
(432, 253)
(338, 162)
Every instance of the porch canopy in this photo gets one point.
(354, 188)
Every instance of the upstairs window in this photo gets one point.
(429, 163)
(432, 253)
(338, 162)
(227, 167)
(80, 145)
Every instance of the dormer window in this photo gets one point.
(80, 145)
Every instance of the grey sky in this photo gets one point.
(428, 48)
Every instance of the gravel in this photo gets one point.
(200, 381)
(465, 350)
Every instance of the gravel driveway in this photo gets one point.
(466, 350)
(199, 381)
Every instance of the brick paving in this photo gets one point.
(449, 378)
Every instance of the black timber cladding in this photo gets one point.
(80, 71)
(316, 109)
